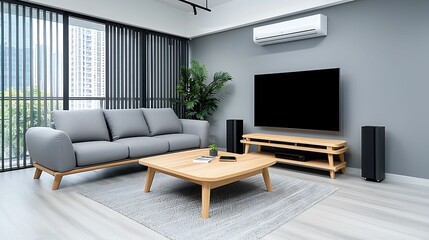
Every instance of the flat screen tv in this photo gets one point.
(301, 100)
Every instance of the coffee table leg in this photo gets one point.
(267, 179)
(205, 196)
(149, 179)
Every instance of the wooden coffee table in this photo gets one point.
(208, 175)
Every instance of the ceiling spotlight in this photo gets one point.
(195, 6)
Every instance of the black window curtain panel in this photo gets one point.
(125, 67)
(143, 68)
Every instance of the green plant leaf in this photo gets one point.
(199, 99)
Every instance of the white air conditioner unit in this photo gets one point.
(301, 28)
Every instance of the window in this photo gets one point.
(86, 64)
(51, 61)
(31, 76)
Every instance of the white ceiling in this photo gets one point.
(238, 13)
(187, 8)
(177, 18)
(230, 14)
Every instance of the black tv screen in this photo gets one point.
(303, 99)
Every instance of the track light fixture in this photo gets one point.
(195, 6)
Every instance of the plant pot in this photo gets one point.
(213, 153)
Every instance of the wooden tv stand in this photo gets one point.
(334, 149)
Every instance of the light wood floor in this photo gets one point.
(29, 209)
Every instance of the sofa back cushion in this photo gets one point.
(162, 121)
(82, 125)
(125, 123)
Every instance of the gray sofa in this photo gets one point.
(84, 140)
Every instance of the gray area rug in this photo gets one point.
(242, 210)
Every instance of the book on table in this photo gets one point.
(203, 159)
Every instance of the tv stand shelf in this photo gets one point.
(334, 149)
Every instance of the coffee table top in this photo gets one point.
(180, 164)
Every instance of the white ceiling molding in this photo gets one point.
(168, 18)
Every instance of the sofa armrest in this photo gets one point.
(50, 148)
(200, 128)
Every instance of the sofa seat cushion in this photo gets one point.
(144, 146)
(94, 152)
(162, 121)
(180, 141)
(125, 123)
(82, 125)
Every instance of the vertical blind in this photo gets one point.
(165, 55)
(125, 67)
(31, 76)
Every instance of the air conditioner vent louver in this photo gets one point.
(302, 28)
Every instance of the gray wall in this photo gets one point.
(382, 48)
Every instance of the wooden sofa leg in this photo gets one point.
(37, 173)
(57, 181)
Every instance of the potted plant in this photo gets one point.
(198, 98)
(213, 150)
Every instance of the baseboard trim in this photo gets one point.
(394, 177)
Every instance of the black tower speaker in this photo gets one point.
(373, 153)
(234, 133)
